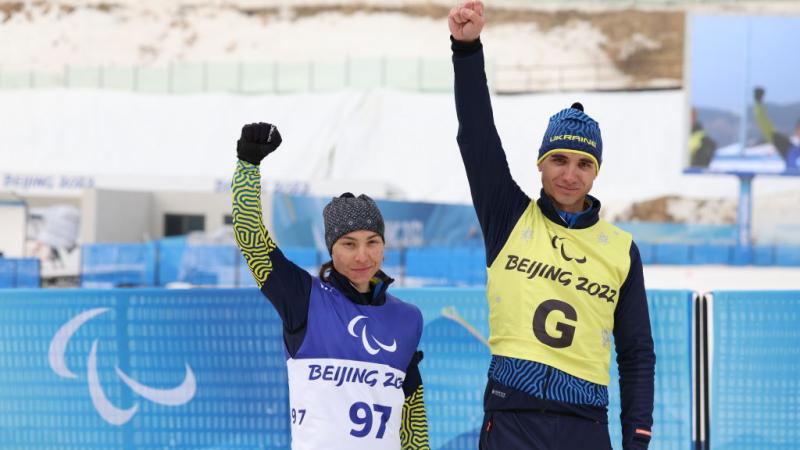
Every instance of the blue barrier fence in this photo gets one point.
(672, 318)
(115, 265)
(19, 273)
(64, 353)
(168, 261)
(755, 370)
(226, 339)
(446, 266)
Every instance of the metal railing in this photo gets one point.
(649, 74)
(420, 74)
(245, 78)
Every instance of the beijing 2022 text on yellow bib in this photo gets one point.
(552, 293)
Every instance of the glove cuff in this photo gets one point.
(251, 152)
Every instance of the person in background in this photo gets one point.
(701, 146)
(788, 148)
(351, 347)
(560, 281)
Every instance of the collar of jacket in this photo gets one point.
(586, 219)
(375, 297)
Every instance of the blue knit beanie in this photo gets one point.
(572, 130)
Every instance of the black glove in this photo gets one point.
(758, 94)
(258, 140)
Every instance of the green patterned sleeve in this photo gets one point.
(251, 235)
(414, 429)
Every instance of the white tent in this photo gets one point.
(389, 143)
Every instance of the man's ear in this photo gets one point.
(539, 166)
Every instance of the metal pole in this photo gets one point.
(745, 88)
(744, 212)
(744, 247)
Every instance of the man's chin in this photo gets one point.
(567, 201)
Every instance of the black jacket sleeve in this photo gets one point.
(498, 200)
(635, 357)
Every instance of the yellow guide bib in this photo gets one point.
(552, 292)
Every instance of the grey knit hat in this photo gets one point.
(347, 213)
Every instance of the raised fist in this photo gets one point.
(258, 140)
(466, 21)
(758, 94)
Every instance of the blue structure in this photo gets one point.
(58, 345)
(672, 317)
(172, 260)
(744, 252)
(229, 340)
(19, 273)
(118, 265)
(755, 386)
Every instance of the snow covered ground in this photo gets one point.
(729, 278)
(49, 35)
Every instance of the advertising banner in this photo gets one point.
(744, 101)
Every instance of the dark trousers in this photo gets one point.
(536, 430)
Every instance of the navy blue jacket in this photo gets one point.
(499, 203)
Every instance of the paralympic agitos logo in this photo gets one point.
(559, 243)
(351, 329)
(108, 411)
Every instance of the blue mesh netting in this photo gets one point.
(229, 339)
(755, 363)
(232, 341)
(671, 319)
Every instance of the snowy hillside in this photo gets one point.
(633, 48)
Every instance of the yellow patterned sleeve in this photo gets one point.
(763, 122)
(248, 227)
(414, 429)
